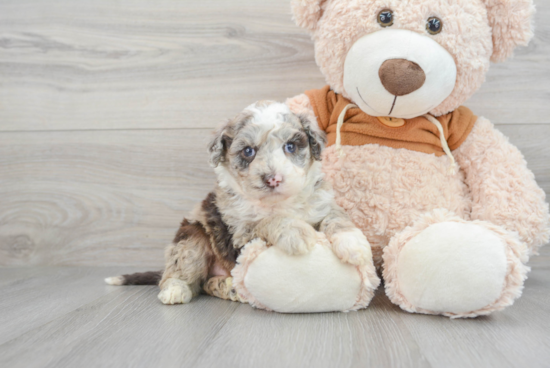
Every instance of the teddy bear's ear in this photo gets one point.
(307, 12)
(511, 21)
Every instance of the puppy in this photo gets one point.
(270, 186)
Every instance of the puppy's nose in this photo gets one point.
(273, 180)
(401, 77)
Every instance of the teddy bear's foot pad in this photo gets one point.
(315, 282)
(452, 267)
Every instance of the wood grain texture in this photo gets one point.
(516, 91)
(129, 64)
(129, 327)
(117, 197)
(375, 337)
(133, 64)
(506, 339)
(11, 274)
(97, 198)
(46, 295)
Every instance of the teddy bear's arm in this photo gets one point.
(503, 189)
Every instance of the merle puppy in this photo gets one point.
(270, 186)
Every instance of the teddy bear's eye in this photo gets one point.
(385, 18)
(434, 25)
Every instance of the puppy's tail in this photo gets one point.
(139, 278)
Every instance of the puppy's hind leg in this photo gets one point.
(187, 263)
(222, 287)
(176, 291)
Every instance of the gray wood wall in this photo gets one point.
(106, 107)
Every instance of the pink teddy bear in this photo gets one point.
(450, 209)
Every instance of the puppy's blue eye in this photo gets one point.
(249, 152)
(290, 147)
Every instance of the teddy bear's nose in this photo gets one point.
(401, 77)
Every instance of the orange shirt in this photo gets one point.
(418, 134)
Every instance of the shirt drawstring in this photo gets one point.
(431, 119)
(444, 144)
(339, 127)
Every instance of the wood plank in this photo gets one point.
(384, 335)
(542, 261)
(127, 328)
(108, 198)
(515, 337)
(516, 91)
(97, 198)
(130, 64)
(11, 274)
(374, 337)
(29, 303)
(531, 140)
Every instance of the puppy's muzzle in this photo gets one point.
(272, 180)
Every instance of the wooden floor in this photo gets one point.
(105, 110)
(66, 317)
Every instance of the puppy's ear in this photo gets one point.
(317, 138)
(219, 145)
(224, 136)
(307, 13)
(512, 24)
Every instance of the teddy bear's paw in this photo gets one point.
(298, 239)
(457, 269)
(175, 291)
(315, 282)
(352, 247)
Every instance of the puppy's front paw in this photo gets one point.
(175, 291)
(352, 247)
(297, 239)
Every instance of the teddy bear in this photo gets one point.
(447, 203)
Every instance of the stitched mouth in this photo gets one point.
(393, 105)
(365, 102)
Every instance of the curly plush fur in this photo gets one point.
(399, 197)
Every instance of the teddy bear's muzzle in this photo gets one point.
(398, 73)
